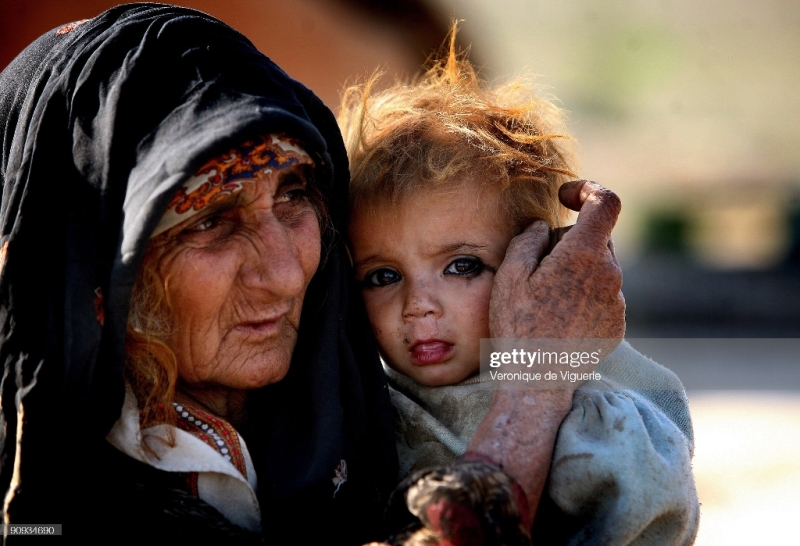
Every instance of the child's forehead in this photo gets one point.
(447, 210)
(425, 230)
(460, 195)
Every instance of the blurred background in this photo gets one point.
(689, 111)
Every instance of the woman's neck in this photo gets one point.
(224, 403)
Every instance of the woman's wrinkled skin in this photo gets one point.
(574, 292)
(235, 277)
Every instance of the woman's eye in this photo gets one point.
(207, 224)
(381, 277)
(464, 266)
(291, 196)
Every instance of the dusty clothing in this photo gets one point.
(621, 471)
(435, 424)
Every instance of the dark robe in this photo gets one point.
(101, 122)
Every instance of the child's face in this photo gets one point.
(427, 267)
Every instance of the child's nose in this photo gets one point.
(421, 301)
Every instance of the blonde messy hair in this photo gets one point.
(449, 126)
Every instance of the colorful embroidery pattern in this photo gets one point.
(3, 253)
(215, 432)
(341, 476)
(191, 483)
(226, 174)
(69, 27)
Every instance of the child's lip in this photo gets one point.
(430, 351)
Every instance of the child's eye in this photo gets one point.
(464, 266)
(381, 277)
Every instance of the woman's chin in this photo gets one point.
(252, 361)
(261, 373)
(245, 368)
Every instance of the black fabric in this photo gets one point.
(100, 125)
(152, 507)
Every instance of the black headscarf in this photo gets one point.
(101, 122)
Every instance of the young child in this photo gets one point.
(445, 171)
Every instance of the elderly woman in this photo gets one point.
(181, 338)
(152, 153)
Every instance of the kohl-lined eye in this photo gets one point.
(381, 277)
(465, 266)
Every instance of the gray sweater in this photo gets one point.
(621, 471)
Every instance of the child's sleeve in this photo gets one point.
(621, 472)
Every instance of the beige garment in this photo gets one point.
(621, 472)
(220, 484)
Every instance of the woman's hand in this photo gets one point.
(574, 292)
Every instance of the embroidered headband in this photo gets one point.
(226, 174)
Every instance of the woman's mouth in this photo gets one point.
(430, 352)
(261, 328)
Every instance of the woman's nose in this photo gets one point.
(421, 301)
(274, 262)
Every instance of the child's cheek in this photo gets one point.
(384, 320)
(478, 311)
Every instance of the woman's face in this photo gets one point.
(235, 275)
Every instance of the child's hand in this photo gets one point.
(575, 291)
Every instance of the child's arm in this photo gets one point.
(621, 471)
